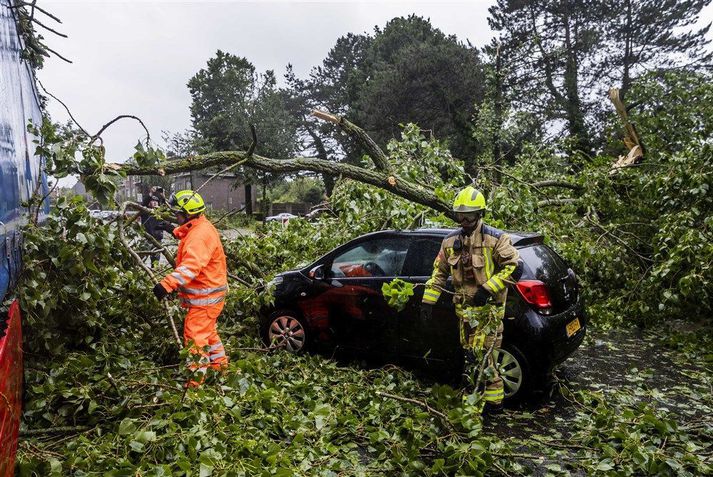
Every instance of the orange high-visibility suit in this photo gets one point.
(202, 281)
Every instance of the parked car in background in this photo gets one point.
(336, 302)
(103, 215)
(282, 217)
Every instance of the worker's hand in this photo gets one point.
(166, 226)
(426, 312)
(481, 297)
(160, 292)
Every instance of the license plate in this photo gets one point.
(573, 327)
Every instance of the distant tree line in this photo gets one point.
(544, 75)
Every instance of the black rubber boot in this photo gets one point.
(493, 409)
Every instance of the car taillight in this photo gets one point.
(535, 293)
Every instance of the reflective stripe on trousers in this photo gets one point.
(203, 301)
(200, 330)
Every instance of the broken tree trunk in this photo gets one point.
(631, 136)
(380, 177)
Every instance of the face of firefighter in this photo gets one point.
(468, 220)
(181, 217)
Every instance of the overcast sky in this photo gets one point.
(135, 57)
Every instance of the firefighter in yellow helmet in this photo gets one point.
(481, 259)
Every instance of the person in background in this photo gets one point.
(154, 227)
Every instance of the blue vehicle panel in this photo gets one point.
(19, 167)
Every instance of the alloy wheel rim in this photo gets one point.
(287, 332)
(510, 371)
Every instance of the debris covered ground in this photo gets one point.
(618, 407)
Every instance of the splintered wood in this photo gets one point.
(631, 137)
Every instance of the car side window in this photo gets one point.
(421, 255)
(373, 258)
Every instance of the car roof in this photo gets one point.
(518, 238)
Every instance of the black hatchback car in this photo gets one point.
(336, 302)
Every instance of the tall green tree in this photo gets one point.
(417, 74)
(658, 35)
(409, 71)
(548, 47)
(562, 55)
(227, 97)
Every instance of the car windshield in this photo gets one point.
(380, 257)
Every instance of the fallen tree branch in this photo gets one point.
(227, 214)
(57, 54)
(122, 116)
(149, 272)
(32, 4)
(222, 171)
(619, 240)
(551, 202)
(36, 21)
(378, 157)
(53, 430)
(64, 105)
(416, 402)
(381, 179)
(556, 183)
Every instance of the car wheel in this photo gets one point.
(514, 371)
(284, 329)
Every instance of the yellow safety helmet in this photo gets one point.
(187, 201)
(469, 199)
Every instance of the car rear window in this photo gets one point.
(421, 254)
(542, 263)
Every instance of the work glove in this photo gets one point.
(481, 297)
(426, 312)
(166, 226)
(160, 292)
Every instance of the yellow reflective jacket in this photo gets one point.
(486, 257)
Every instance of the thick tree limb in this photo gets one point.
(550, 202)
(555, 183)
(381, 179)
(381, 161)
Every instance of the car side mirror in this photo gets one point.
(317, 273)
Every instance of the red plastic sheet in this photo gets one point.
(10, 391)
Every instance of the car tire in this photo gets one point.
(515, 372)
(286, 329)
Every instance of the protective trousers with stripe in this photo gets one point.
(199, 331)
(481, 331)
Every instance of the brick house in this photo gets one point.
(220, 193)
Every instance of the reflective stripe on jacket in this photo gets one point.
(201, 273)
(491, 260)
